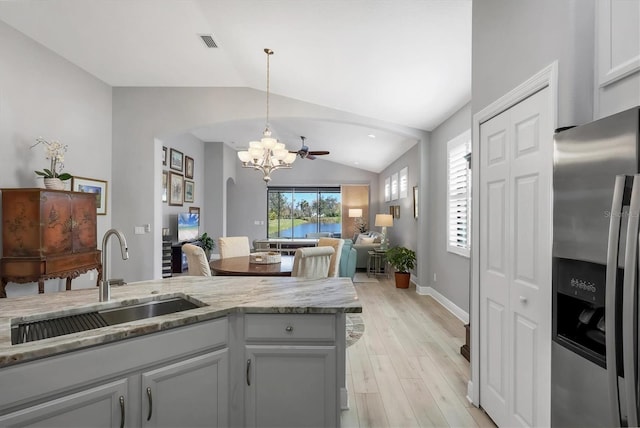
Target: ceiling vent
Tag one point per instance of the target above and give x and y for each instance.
(208, 40)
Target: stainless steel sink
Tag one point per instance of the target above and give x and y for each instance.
(30, 331)
(150, 309)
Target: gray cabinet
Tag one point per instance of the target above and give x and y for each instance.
(100, 406)
(192, 392)
(291, 371)
(172, 378)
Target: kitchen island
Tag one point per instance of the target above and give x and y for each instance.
(258, 351)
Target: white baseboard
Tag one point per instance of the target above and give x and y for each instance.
(344, 399)
(452, 307)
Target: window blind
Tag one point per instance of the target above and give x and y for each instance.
(458, 186)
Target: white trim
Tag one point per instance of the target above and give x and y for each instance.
(344, 398)
(448, 304)
(547, 77)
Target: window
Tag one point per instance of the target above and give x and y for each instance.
(458, 194)
(292, 212)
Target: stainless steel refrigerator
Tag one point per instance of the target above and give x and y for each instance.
(594, 354)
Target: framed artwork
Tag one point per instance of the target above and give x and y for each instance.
(391, 210)
(165, 178)
(91, 185)
(404, 182)
(164, 156)
(176, 160)
(415, 201)
(396, 211)
(394, 186)
(189, 189)
(176, 189)
(387, 189)
(194, 210)
(188, 167)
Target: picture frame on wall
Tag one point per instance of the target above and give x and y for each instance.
(188, 167)
(415, 201)
(164, 156)
(165, 179)
(394, 186)
(194, 210)
(176, 160)
(391, 210)
(387, 189)
(189, 189)
(396, 211)
(92, 185)
(404, 182)
(176, 189)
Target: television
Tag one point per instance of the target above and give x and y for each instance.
(188, 226)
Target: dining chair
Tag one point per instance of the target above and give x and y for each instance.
(196, 260)
(312, 262)
(233, 246)
(336, 244)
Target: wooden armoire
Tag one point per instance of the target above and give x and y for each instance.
(47, 234)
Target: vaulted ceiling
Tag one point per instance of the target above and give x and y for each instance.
(400, 62)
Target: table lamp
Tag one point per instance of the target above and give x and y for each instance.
(384, 221)
(359, 221)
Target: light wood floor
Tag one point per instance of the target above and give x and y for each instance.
(406, 370)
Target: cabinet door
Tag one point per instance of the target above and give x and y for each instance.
(103, 406)
(291, 386)
(84, 222)
(56, 223)
(191, 393)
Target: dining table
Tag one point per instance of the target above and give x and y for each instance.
(242, 266)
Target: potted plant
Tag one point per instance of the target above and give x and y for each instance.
(207, 243)
(402, 260)
(54, 152)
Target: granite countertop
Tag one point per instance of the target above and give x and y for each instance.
(222, 295)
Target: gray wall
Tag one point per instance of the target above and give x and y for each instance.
(405, 229)
(513, 40)
(42, 94)
(143, 115)
(452, 270)
(194, 148)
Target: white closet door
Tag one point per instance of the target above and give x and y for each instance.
(515, 263)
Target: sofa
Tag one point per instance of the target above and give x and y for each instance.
(348, 259)
(365, 242)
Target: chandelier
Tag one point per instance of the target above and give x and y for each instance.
(268, 154)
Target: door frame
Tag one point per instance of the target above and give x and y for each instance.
(545, 78)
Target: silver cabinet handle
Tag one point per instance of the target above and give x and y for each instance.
(150, 398)
(289, 329)
(611, 315)
(523, 299)
(249, 372)
(121, 399)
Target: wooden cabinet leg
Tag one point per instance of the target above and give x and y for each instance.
(99, 268)
(3, 292)
(68, 283)
(40, 286)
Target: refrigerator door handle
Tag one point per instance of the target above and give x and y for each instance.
(629, 307)
(610, 298)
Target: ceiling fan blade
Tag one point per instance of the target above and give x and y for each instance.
(318, 152)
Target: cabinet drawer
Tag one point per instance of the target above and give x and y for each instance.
(310, 327)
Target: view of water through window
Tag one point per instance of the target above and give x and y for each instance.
(297, 212)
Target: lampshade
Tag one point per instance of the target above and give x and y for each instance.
(355, 212)
(384, 220)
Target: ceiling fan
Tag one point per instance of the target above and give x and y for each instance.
(305, 153)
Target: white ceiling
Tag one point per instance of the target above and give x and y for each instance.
(400, 62)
